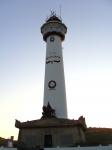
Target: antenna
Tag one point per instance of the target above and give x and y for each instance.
(60, 11)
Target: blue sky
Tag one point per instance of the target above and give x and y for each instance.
(87, 52)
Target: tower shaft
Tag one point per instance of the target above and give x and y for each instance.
(54, 86)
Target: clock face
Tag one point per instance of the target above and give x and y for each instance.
(52, 84)
(52, 38)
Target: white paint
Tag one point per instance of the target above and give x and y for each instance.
(10, 144)
(54, 70)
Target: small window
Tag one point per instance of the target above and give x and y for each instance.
(52, 39)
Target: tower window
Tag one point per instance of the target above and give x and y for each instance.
(52, 39)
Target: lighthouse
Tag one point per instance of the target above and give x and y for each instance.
(53, 31)
(53, 129)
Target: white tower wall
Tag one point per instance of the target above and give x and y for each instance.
(54, 71)
(54, 31)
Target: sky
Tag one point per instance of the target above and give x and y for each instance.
(87, 54)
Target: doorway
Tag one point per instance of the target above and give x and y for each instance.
(48, 140)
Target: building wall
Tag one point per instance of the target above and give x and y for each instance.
(66, 136)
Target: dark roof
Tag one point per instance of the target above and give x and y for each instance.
(49, 122)
(53, 18)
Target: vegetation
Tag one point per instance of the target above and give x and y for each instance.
(2, 141)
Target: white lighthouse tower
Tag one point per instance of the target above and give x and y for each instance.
(54, 31)
(53, 129)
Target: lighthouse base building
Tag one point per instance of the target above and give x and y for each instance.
(54, 129)
(51, 132)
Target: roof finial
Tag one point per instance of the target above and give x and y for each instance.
(53, 13)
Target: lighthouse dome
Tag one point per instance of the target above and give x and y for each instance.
(53, 26)
(53, 18)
